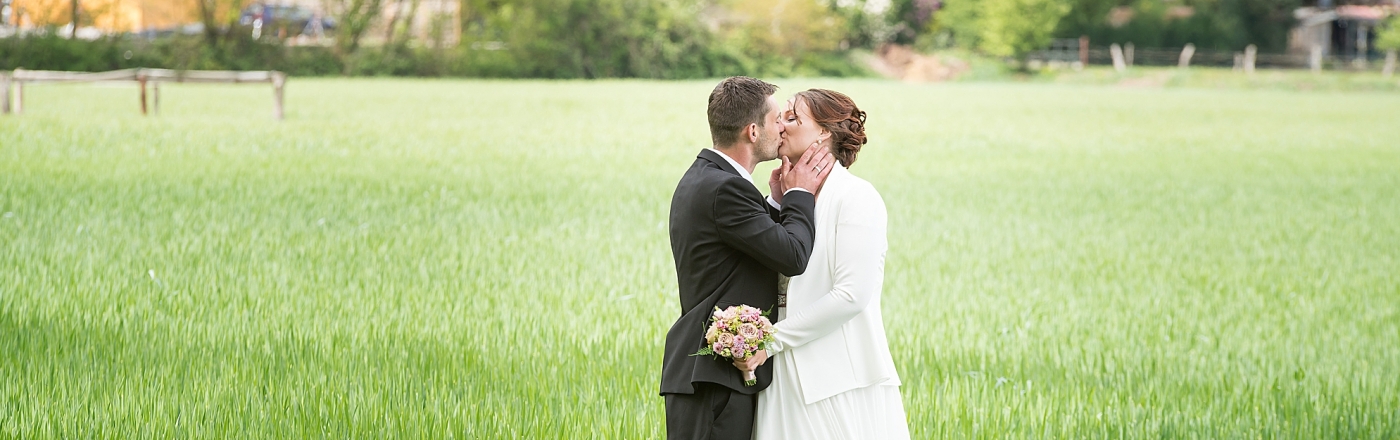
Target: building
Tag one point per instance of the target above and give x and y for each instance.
(1346, 32)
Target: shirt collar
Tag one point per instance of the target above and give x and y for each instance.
(740, 168)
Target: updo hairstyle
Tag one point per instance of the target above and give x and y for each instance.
(838, 114)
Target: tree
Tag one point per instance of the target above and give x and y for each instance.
(41, 12)
(1014, 28)
(217, 16)
(1208, 24)
(962, 20)
(910, 19)
(1389, 36)
(1389, 41)
(787, 28)
(399, 24)
(353, 18)
(643, 38)
(1265, 22)
(868, 23)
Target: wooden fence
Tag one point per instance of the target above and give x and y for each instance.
(12, 83)
(1077, 53)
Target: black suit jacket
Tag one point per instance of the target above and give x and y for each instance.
(729, 245)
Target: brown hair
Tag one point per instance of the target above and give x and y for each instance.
(838, 114)
(734, 104)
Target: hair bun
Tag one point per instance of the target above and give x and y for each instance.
(856, 124)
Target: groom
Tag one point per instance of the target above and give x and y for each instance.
(729, 246)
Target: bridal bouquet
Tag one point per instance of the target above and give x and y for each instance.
(737, 333)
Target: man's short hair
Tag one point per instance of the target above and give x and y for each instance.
(734, 104)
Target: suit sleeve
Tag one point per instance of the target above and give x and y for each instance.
(859, 275)
(744, 223)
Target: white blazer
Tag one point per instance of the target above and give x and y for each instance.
(832, 325)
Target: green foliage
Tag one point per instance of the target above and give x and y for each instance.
(1389, 36)
(595, 39)
(464, 259)
(1007, 28)
(1265, 22)
(1014, 28)
(354, 18)
(48, 51)
(1212, 24)
(655, 39)
(911, 19)
(512, 38)
(959, 22)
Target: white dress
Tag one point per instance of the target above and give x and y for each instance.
(833, 376)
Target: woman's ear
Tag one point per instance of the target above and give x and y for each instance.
(824, 135)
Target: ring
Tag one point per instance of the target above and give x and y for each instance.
(816, 168)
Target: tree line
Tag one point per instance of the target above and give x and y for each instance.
(661, 38)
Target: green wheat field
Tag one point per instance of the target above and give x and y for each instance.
(481, 259)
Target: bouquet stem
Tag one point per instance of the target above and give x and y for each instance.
(750, 379)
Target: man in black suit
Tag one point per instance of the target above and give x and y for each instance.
(730, 245)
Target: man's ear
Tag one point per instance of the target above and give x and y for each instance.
(752, 130)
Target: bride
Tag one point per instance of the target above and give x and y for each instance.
(833, 377)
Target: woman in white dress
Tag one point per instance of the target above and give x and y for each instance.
(833, 377)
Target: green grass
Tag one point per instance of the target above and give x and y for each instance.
(476, 259)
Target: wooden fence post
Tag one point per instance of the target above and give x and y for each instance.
(1361, 49)
(1117, 52)
(1128, 54)
(1389, 68)
(1184, 61)
(1084, 50)
(279, 80)
(141, 79)
(19, 97)
(155, 98)
(1250, 53)
(4, 93)
(1315, 59)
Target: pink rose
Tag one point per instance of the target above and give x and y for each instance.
(726, 339)
(750, 332)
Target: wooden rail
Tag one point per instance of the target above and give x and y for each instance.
(12, 83)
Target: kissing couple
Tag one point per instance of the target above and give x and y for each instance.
(827, 372)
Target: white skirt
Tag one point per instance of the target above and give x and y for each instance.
(874, 412)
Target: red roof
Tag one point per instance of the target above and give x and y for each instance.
(1358, 12)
